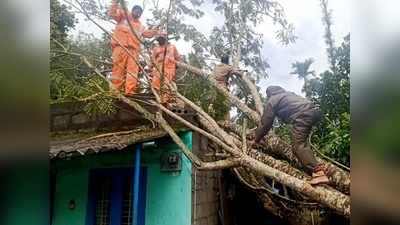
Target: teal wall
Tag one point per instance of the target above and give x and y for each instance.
(168, 196)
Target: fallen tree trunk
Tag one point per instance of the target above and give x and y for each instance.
(331, 198)
(275, 146)
(339, 178)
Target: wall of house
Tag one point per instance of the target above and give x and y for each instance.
(205, 198)
(71, 117)
(205, 191)
(168, 195)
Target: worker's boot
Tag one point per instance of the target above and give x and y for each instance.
(319, 176)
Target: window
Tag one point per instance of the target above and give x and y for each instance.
(103, 200)
(127, 202)
(110, 197)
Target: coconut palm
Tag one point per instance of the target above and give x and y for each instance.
(301, 69)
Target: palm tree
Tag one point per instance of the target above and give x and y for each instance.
(301, 69)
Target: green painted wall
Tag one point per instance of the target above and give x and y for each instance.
(71, 184)
(169, 195)
(168, 199)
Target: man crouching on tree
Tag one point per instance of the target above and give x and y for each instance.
(303, 114)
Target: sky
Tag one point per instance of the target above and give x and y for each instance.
(304, 14)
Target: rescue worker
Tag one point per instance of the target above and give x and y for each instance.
(125, 68)
(221, 74)
(302, 114)
(223, 71)
(164, 48)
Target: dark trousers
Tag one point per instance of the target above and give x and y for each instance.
(302, 126)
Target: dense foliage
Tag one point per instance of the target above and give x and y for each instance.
(70, 79)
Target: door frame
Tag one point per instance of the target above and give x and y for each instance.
(116, 197)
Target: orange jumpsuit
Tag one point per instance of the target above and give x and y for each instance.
(171, 56)
(125, 69)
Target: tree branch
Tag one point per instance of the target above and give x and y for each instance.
(221, 164)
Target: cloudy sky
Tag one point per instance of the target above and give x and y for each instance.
(306, 17)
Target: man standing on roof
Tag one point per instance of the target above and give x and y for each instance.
(303, 114)
(164, 48)
(125, 65)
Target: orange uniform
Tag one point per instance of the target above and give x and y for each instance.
(171, 56)
(125, 69)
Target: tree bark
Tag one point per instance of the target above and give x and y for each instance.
(330, 198)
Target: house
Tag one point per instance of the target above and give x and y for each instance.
(116, 169)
